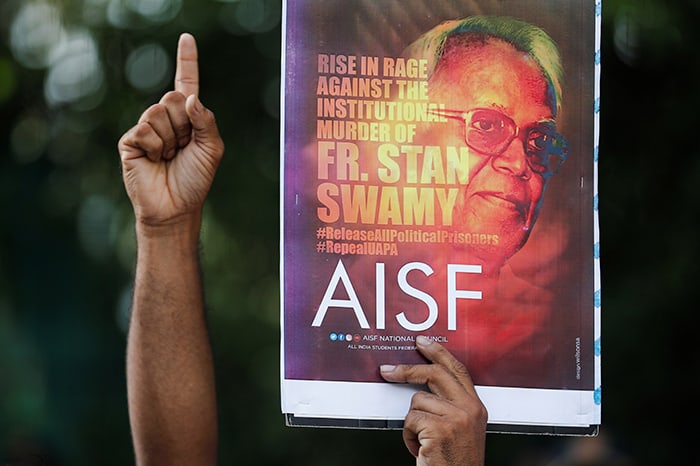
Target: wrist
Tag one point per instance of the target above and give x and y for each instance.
(183, 230)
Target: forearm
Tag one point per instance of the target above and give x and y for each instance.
(172, 401)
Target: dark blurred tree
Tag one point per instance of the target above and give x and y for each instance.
(75, 74)
(650, 206)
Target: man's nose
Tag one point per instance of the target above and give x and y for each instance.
(512, 161)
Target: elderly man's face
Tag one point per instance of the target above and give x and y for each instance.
(505, 91)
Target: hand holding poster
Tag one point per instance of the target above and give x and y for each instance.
(437, 183)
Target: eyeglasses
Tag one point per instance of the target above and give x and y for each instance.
(491, 132)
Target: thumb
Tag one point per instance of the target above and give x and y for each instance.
(203, 122)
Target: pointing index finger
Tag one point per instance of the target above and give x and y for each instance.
(187, 69)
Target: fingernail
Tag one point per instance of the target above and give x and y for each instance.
(423, 341)
(387, 368)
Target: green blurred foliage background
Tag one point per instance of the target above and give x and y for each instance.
(75, 74)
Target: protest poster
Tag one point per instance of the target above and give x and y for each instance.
(439, 179)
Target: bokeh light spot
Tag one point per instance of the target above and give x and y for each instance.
(626, 37)
(156, 11)
(148, 67)
(141, 13)
(118, 15)
(76, 71)
(250, 16)
(34, 34)
(94, 12)
(95, 220)
(122, 314)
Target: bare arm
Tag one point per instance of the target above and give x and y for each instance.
(172, 401)
(168, 162)
(448, 425)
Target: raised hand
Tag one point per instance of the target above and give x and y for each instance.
(446, 426)
(170, 156)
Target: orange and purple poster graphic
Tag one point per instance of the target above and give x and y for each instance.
(439, 180)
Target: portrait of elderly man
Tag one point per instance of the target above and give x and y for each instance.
(500, 80)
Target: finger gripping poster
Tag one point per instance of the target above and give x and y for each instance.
(439, 179)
